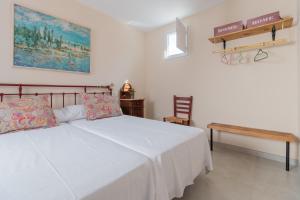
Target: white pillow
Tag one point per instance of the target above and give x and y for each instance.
(70, 113)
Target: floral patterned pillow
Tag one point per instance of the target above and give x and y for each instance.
(101, 106)
(26, 113)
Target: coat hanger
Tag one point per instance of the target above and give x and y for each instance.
(242, 59)
(232, 59)
(238, 58)
(261, 55)
(224, 59)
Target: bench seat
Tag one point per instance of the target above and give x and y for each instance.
(253, 132)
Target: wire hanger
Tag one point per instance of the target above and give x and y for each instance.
(232, 59)
(261, 55)
(225, 60)
(241, 58)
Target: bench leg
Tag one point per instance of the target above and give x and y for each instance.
(287, 156)
(211, 140)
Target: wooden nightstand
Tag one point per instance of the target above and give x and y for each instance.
(133, 107)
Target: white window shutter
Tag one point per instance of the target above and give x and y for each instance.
(181, 33)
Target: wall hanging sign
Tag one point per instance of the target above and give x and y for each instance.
(264, 19)
(46, 42)
(228, 28)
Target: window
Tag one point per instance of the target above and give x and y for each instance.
(171, 46)
(177, 41)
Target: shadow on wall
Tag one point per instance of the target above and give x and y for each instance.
(149, 109)
(297, 152)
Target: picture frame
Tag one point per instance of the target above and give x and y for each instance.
(42, 41)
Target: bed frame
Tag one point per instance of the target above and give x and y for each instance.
(107, 89)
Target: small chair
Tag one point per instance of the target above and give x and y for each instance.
(182, 105)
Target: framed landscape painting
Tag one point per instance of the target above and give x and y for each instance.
(46, 42)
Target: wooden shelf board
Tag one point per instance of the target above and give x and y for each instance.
(286, 22)
(260, 45)
(259, 133)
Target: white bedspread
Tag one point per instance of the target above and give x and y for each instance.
(179, 153)
(67, 163)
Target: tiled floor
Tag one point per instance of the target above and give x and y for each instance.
(239, 176)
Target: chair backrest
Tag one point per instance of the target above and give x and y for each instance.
(183, 105)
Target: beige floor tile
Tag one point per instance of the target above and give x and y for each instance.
(239, 176)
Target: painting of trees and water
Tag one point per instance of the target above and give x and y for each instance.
(43, 41)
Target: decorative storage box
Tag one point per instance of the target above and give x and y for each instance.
(229, 28)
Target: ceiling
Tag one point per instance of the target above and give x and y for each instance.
(149, 14)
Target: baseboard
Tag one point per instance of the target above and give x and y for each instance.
(260, 154)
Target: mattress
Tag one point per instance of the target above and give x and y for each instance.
(179, 153)
(67, 163)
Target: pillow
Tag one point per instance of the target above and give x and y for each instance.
(101, 106)
(26, 113)
(70, 113)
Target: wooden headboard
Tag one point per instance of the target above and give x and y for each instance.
(20, 88)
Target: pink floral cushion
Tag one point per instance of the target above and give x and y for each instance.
(101, 106)
(26, 113)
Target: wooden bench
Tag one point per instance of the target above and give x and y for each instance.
(259, 133)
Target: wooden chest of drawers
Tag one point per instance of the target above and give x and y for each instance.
(133, 107)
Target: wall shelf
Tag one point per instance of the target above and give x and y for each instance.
(260, 45)
(286, 22)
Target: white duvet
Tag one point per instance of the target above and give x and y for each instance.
(179, 153)
(66, 163)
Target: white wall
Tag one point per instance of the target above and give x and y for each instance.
(117, 50)
(262, 95)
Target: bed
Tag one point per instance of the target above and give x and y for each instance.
(115, 158)
(179, 153)
(67, 163)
